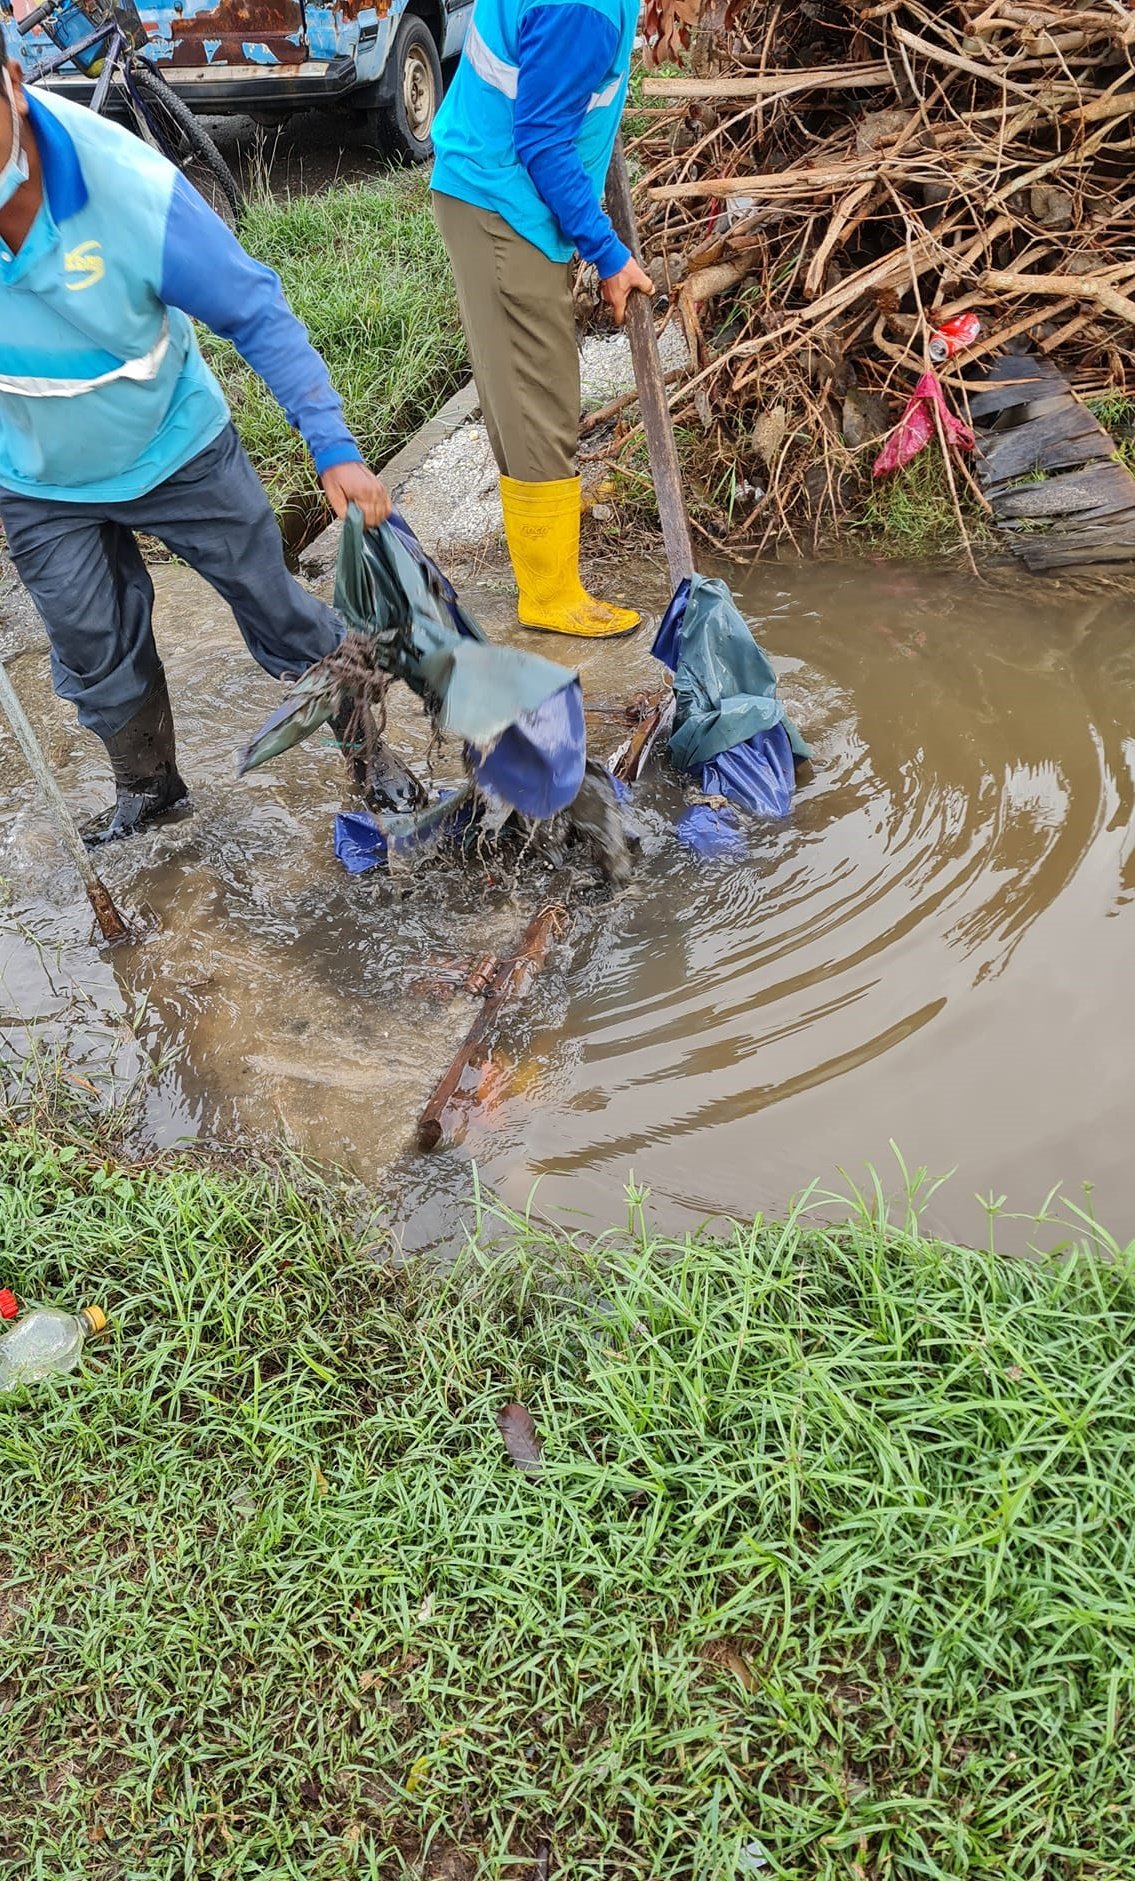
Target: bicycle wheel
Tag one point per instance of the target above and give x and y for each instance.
(167, 121)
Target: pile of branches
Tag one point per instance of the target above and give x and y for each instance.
(822, 183)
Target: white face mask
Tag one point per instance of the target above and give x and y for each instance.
(15, 172)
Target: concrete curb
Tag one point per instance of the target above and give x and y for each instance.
(318, 559)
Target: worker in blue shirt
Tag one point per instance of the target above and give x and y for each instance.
(523, 142)
(111, 424)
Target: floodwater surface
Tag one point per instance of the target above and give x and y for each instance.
(934, 951)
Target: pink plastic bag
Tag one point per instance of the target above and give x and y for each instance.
(916, 427)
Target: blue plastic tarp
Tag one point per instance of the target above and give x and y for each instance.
(710, 832)
(731, 731)
(359, 843)
(363, 841)
(520, 715)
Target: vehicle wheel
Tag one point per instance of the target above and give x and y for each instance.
(166, 120)
(404, 127)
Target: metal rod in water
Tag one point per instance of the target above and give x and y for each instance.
(111, 923)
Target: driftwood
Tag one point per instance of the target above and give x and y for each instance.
(847, 176)
(652, 717)
(477, 1066)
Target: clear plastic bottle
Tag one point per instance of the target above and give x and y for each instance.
(45, 1341)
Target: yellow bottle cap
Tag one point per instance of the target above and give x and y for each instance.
(95, 1318)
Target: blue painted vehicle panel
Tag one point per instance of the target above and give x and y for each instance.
(202, 40)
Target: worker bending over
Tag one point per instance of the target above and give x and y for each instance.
(111, 423)
(523, 143)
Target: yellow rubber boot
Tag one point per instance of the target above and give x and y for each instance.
(541, 526)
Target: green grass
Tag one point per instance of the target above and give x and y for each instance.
(638, 117)
(911, 514)
(831, 1562)
(1116, 413)
(365, 270)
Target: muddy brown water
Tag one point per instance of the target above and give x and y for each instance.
(934, 951)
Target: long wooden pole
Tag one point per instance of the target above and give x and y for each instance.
(651, 383)
(111, 924)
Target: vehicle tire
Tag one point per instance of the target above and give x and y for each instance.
(403, 127)
(169, 122)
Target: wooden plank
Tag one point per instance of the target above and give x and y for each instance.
(1009, 366)
(1109, 520)
(1113, 530)
(1086, 511)
(1070, 424)
(1031, 379)
(1041, 554)
(1107, 485)
(1047, 443)
(1057, 405)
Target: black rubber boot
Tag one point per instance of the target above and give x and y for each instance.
(377, 772)
(147, 782)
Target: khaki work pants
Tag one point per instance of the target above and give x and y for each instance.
(516, 309)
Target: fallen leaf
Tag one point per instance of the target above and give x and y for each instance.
(740, 1665)
(769, 434)
(879, 127)
(543, 1862)
(521, 1438)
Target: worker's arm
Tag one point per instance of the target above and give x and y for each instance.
(565, 57)
(208, 275)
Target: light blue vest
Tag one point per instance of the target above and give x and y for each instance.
(103, 392)
(473, 135)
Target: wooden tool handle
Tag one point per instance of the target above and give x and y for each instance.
(651, 384)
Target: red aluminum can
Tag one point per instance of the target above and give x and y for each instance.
(953, 336)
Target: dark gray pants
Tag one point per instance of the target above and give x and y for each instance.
(82, 567)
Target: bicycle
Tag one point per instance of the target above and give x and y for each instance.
(112, 54)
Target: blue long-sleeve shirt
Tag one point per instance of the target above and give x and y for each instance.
(566, 52)
(103, 390)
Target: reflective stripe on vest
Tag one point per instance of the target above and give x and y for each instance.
(496, 73)
(140, 370)
(500, 76)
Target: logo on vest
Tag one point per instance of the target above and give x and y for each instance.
(87, 261)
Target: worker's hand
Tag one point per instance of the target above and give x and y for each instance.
(618, 288)
(344, 484)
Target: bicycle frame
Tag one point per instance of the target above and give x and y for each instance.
(117, 46)
(112, 37)
(152, 108)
